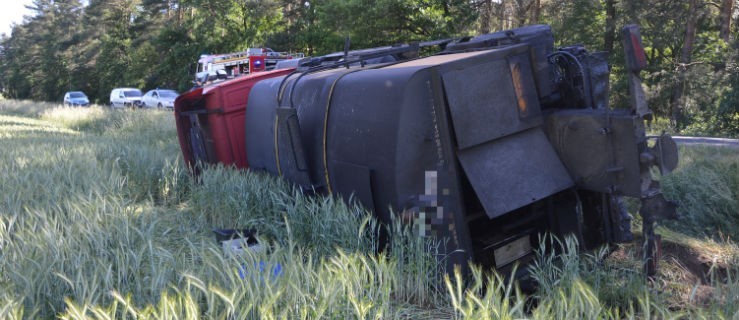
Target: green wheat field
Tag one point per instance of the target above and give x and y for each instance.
(99, 219)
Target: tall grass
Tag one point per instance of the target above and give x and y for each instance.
(25, 107)
(707, 187)
(100, 220)
(105, 215)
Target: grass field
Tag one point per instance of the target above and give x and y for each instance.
(100, 220)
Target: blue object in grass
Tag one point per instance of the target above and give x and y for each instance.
(273, 272)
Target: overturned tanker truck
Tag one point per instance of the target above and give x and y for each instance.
(490, 143)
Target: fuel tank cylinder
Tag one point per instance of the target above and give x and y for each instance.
(407, 137)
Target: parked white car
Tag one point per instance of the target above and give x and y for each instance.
(76, 98)
(160, 98)
(125, 97)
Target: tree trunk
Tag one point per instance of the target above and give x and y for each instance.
(522, 8)
(503, 14)
(690, 27)
(536, 12)
(677, 101)
(725, 29)
(486, 16)
(610, 35)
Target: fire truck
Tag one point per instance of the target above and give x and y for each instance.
(216, 66)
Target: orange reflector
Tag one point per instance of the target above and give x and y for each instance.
(523, 107)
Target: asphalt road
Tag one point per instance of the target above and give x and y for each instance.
(718, 142)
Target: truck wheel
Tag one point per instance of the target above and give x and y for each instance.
(159, 105)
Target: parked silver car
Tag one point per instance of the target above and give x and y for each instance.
(76, 98)
(160, 98)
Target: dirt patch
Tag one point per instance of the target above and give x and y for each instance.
(699, 265)
(686, 274)
(689, 259)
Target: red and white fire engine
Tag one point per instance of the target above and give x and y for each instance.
(243, 62)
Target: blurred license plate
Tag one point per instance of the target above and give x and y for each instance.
(512, 251)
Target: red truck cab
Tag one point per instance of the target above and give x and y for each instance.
(210, 120)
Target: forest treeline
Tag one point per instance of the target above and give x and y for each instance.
(692, 81)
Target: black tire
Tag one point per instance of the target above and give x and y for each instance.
(159, 106)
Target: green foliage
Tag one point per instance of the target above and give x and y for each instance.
(387, 22)
(577, 22)
(178, 48)
(723, 119)
(151, 43)
(706, 184)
